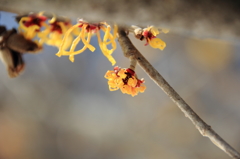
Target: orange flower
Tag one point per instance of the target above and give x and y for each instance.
(125, 80)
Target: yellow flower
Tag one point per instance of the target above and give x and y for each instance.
(150, 34)
(87, 30)
(30, 25)
(125, 80)
(83, 33)
(34, 26)
(54, 32)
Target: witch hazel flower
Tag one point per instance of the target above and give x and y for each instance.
(42, 30)
(54, 33)
(150, 34)
(125, 80)
(86, 31)
(30, 25)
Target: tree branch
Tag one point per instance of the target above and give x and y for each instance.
(131, 52)
(205, 18)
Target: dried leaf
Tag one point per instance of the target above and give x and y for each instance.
(2, 29)
(13, 61)
(20, 44)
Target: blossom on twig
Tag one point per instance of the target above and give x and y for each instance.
(150, 34)
(30, 25)
(54, 32)
(87, 30)
(51, 33)
(125, 80)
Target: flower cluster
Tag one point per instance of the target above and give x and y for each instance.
(65, 36)
(85, 34)
(51, 32)
(61, 33)
(125, 80)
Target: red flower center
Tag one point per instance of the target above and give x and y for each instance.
(90, 27)
(56, 27)
(35, 20)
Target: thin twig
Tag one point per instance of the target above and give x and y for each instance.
(130, 51)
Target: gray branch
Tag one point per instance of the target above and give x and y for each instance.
(131, 52)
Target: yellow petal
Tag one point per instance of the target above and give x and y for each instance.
(43, 36)
(110, 37)
(21, 25)
(80, 37)
(54, 18)
(157, 43)
(58, 54)
(76, 41)
(67, 43)
(31, 32)
(142, 88)
(154, 30)
(132, 82)
(86, 43)
(134, 92)
(122, 74)
(71, 58)
(41, 13)
(113, 89)
(110, 75)
(104, 50)
(61, 48)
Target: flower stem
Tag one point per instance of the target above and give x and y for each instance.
(133, 63)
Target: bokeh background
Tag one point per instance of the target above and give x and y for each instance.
(62, 110)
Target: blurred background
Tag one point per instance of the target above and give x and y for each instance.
(62, 110)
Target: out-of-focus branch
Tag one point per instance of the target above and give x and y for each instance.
(205, 18)
(131, 52)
